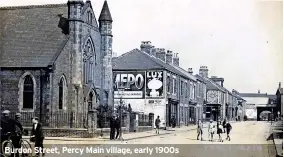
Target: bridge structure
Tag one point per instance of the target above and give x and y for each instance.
(260, 106)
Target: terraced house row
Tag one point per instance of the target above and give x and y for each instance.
(152, 82)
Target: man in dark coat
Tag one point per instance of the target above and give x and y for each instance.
(157, 124)
(117, 126)
(224, 125)
(8, 125)
(173, 121)
(37, 134)
(18, 132)
(228, 129)
(112, 127)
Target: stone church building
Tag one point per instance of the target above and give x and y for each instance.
(55, 58)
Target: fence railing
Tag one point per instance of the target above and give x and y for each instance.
(55, 119)
(144, 120)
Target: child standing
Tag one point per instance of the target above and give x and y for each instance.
(228, 128)
(220, 130)
(211, 130)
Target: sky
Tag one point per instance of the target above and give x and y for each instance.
(238, 40)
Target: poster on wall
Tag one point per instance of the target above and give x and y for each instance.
(154, 84)
(129, 84)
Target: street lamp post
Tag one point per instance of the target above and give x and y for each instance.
(120, 113)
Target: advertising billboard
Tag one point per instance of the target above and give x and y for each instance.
(129, 84)
(154, 84)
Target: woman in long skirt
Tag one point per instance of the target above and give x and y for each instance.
(220, 131)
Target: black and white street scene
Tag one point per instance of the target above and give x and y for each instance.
(113, 78)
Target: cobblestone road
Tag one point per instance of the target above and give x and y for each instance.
(248, 140)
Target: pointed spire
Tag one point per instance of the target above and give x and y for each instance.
(105, 13)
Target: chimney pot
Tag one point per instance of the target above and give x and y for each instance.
(190, 70)
(279, 85)
(258, 91)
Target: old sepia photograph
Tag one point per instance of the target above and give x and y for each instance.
(161, 78)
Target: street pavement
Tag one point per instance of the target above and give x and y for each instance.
(248, 139)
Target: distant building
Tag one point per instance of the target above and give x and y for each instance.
(256, 103)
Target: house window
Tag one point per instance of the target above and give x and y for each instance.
(186, 90)
(28, 93)
(174, 83)
(168, 84)
(181, 88)
(193, 92)
(176, 87)
(89, 59)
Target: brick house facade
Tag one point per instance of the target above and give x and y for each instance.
(179, 86)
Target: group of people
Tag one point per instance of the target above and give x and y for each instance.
(13, 129)
(220, 128)
(114, 127)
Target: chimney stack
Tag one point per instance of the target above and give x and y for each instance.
(153, 51)
(176, 59)
(218, 80)
(169, 57)
(161, 54)
(279, 85)
(190, 71)
(258, 92)
(203, 71)
(146, 46)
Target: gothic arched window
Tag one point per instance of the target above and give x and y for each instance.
(89, 59)
(89, 17)
(28, 93)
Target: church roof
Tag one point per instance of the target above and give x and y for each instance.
(105, 13)
(30, 35)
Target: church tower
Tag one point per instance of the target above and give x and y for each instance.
(105, 24)
(75, 31)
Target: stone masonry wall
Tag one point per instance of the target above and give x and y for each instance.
(10, 91)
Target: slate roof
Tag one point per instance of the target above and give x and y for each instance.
(200, 78)
(30, 36)
(105, 13)
(139, 60)
(185, 73)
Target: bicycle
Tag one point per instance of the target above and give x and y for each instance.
(25, 145)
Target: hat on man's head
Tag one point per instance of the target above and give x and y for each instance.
(6, 112)
(18, 115)
(35, 118)
(211, 120)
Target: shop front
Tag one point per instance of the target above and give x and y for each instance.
(213, 111)
(171, 112)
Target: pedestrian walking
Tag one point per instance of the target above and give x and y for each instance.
(157, 124)
(173, 121)
(18, 133)
(112, 127)
(8, 128)
(37, 135)
(211, 130)
(117, 126)
(220, 131)
(228, 128)
(199, 129)
(224, 125)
